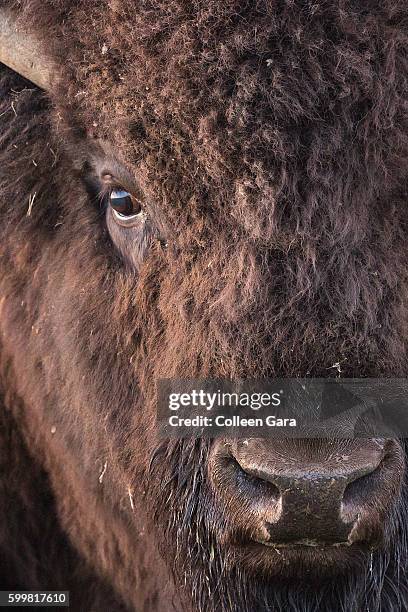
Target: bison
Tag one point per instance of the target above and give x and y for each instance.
(200, 189)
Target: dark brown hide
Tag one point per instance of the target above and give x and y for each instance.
(269, 140)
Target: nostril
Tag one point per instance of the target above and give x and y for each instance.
(254, 485)
(359, 490)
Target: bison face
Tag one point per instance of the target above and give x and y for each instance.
(212, 191)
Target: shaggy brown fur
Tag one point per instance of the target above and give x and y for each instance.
(270, 141)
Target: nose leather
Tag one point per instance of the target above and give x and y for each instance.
(309, 493)
(310, 510)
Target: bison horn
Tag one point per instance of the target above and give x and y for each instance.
(21, 52)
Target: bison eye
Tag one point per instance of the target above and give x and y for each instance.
(125, 208)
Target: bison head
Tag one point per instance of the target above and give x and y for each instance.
(216, 190)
